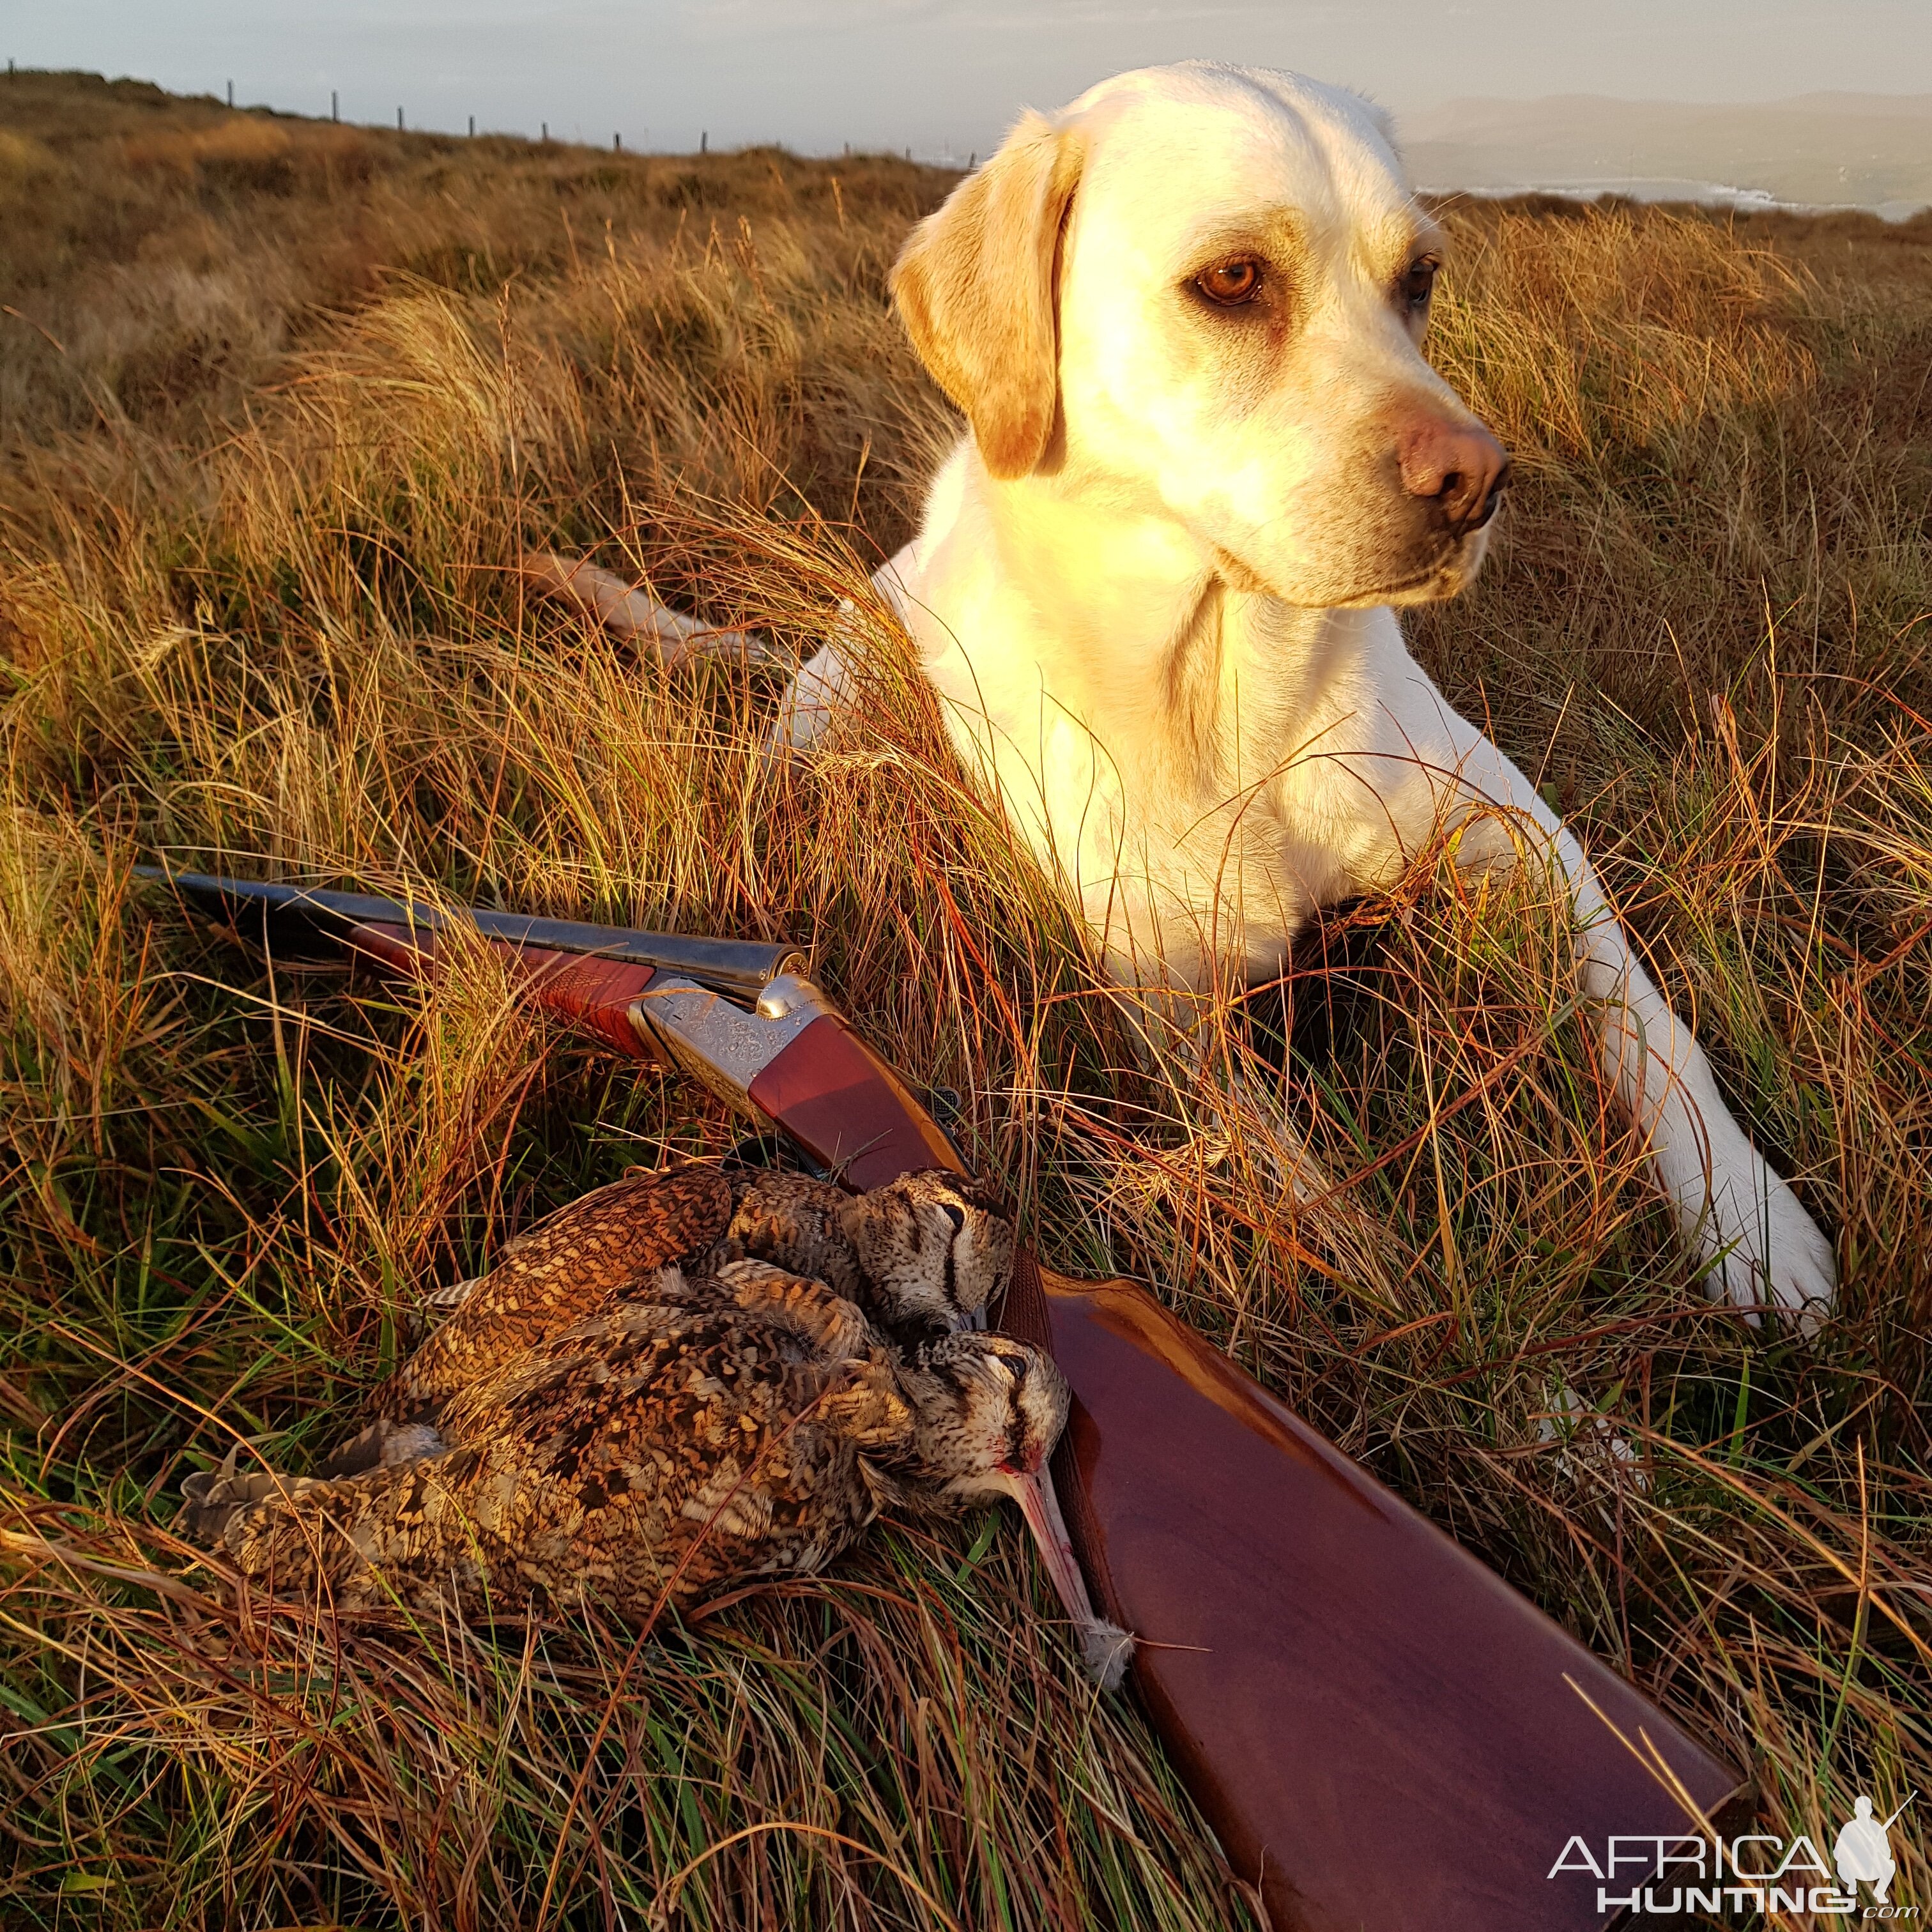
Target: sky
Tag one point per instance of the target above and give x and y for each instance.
(945, 77)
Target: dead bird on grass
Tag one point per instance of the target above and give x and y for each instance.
(615, 1410)
(921, 1256)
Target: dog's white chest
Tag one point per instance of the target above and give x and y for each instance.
(1178, 859)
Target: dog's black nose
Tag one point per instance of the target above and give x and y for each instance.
(1457, 467)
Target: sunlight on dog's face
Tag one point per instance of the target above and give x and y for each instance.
(1200, 295)
(1245, 287)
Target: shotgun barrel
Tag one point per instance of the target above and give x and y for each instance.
(1382, 1732)
(303, 921)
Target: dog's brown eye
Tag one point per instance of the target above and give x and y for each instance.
(1418, 284)
(1231, 284)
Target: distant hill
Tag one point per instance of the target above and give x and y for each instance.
(1855, 150)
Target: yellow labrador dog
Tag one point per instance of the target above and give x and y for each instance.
(1155, 585)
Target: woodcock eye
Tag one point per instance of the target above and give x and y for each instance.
(1418, 284)
(954, 1214)
(1229, 284)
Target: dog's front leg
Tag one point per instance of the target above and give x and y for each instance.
(629, 611)
(818, 691)
(823, 685)
(1429, 769)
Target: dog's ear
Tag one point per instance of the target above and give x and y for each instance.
(975, 283)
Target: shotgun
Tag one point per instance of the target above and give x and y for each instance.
(1381, 1731)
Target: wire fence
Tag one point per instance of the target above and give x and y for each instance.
(944, 156)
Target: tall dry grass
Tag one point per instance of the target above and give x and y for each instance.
(266, 619)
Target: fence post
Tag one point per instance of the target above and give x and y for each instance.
(399, 120)
(617, 144)
(473, 127)
(335, 105)
(546, 134)
(231, 94)
(704, 144)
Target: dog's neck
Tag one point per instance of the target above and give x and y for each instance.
(1159, 631)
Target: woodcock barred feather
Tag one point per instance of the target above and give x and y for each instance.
(676, 1384)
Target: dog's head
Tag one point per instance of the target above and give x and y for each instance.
(1202, 292)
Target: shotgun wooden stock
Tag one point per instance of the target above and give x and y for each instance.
(1383, 1733)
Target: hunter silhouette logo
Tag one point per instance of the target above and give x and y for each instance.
(1863, 1851)
(1752, 1872)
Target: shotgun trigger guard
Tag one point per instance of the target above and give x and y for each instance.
(721, 1044)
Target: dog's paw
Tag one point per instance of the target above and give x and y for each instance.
(1763, 1248)
(819, 691)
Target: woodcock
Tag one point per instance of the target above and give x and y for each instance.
(678, 1383)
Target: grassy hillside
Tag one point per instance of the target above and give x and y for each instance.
(279, 404)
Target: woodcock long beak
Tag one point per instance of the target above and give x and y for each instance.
(1105, 1648)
